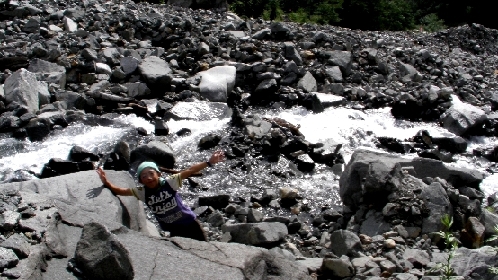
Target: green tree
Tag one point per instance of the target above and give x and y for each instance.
(395, 15)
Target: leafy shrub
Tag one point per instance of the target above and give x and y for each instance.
(432, 23)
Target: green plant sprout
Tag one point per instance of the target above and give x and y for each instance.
(451, 243)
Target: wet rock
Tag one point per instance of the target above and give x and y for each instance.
(156, 151)
(198, 110)
(209, 141)
(461, 118)
(78, 153)
(161, 128)
(101, 256)
(217, 202)
(38, 129)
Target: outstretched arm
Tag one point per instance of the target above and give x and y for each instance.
(114, 189)
(216, 157)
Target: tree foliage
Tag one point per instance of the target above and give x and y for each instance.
(431, 15)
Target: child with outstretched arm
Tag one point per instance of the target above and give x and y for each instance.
(161, 196)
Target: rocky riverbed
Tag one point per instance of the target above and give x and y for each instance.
(90, 62)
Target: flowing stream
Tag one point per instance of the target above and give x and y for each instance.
(352, 128)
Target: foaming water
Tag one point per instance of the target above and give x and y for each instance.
(32, 156)
(352, 128)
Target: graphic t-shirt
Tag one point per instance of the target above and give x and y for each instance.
(165, 202)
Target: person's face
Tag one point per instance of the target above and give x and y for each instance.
(149, 177)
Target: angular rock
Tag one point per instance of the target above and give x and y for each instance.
(156, 151)
(7, 258)
(344, 242)
(460, 118)
(17, 243)
(340, 267)
(307, 83)
(155, 71)
(22, 87)
(217, 83)
(258, 234)
(100, 255)
(48, 72)
(419, 258)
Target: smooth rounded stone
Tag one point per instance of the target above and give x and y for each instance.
(389, 244)
(9, 219)
(102, 68)
(404, 276)
(8, 258)
(101, 255)
(340, 267)
(209, 141)
(217, 82)
(288, 193)
(365, 239)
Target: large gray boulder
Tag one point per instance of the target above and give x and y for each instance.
(48, 72)
(436, 199)
(474, 263)
(159, 152)
(82, 220)
(259, 234)
(217, 83)
(368, 173)
(334, 74)
(307, 83)
(23, 87)
(345, 242)
(100, 255)
(343, 59)
(198, 110)
(461, 117)
(291, 53)
(155, 71)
